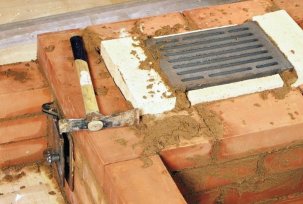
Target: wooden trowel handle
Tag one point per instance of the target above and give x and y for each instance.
(88, 94)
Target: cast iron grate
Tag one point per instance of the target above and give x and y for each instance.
(218, 56)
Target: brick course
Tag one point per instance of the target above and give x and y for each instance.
(222, 15)
(286, 160)
(23, 129)
(22, 152)
(251, 123)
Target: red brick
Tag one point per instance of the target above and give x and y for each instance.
(214, 176)
(23, 129)
(227, 14)
(81, 191)
(289, 159)
(70, 195)
(20, 77)
(270, 194)
(291, 199)
(22, 89)
(186, 156)
(111, 101)
(22, 152)
(61, 61)
(129, 182)
(254, 143)
(208, 197)
(281, 185)
(90, 185)
(149, 25)
(293, 7)
(14, 104)
(257, 128)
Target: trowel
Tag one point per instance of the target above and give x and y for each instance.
(60, 150)
(94, 120)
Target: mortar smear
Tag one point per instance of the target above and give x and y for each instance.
(152, 53)
(289, 77)
(21, 76)
(167, 30)
(158, 133)
(92, 40)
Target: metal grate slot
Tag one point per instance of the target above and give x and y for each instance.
(219, 56)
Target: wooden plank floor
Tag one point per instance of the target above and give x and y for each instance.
(18, 10)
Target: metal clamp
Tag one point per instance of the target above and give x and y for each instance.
(60, 151)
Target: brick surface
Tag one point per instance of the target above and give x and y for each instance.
(61, 59)
(27, 102)
(140, 185)
(22, 89)
(214, 176)
(106, 150)
(81, 191)
(188, 156)
(273, 189)
(282, 185)
(20, 77)
(151, 25)
(147, 26)
(256, 127)
(23, 129)
(208, 197)
(228, 14)
(291, 199)
(109, 97)
(293, 7)
(22, 152)
(289, 159)
(70, 195)
(85, 175)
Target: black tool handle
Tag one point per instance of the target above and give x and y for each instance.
(78, 48)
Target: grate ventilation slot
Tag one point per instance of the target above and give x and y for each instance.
(218, 56)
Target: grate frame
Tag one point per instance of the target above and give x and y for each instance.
(218, 56)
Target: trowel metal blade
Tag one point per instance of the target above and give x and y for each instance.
(127, 118)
